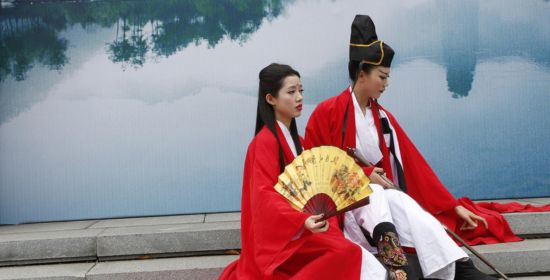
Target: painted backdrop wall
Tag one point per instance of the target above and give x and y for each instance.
(115, 108)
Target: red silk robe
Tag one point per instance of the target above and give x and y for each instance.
(325, 127)
(269, 224)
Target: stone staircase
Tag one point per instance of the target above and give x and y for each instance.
(198, 247)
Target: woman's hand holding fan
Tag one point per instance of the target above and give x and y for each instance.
(324, 180)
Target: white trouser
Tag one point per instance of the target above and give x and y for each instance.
(371, 268)
(436, 251)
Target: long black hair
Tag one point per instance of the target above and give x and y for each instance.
(271, 81)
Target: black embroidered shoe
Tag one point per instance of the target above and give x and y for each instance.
(466, 270)
(390, 251)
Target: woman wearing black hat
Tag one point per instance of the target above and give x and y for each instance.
(355, 121)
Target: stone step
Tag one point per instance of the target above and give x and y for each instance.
(116, 243)
(527, 256)
(183, 268)
(186, 268)
(529, 224)
(49, 246)
(177, 268)
(168, 236)
(70, 271)
(118, 238)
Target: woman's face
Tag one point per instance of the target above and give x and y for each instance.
(375, 82)
(288, 103)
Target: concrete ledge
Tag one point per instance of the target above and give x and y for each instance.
(223, 217)
(165, 239)
(43, 227)
(76, 271)
(196, 268)
(192, 268)
(149, 221)
(529, 223)
(184, 235)
(41, 247)
(528, 256)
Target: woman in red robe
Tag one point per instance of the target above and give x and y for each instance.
(387, 147)
(279, 242)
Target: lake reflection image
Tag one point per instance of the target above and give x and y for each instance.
(143, 108)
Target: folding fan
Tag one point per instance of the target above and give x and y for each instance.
(324, 180)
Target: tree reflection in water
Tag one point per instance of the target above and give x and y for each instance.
(30, 33)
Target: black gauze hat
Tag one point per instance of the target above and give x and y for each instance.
(365, 46)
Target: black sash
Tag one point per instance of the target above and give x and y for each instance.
(386, 129)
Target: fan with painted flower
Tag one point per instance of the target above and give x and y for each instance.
(324, 180)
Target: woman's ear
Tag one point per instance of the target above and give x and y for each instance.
(270, 99)
(361, 74)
